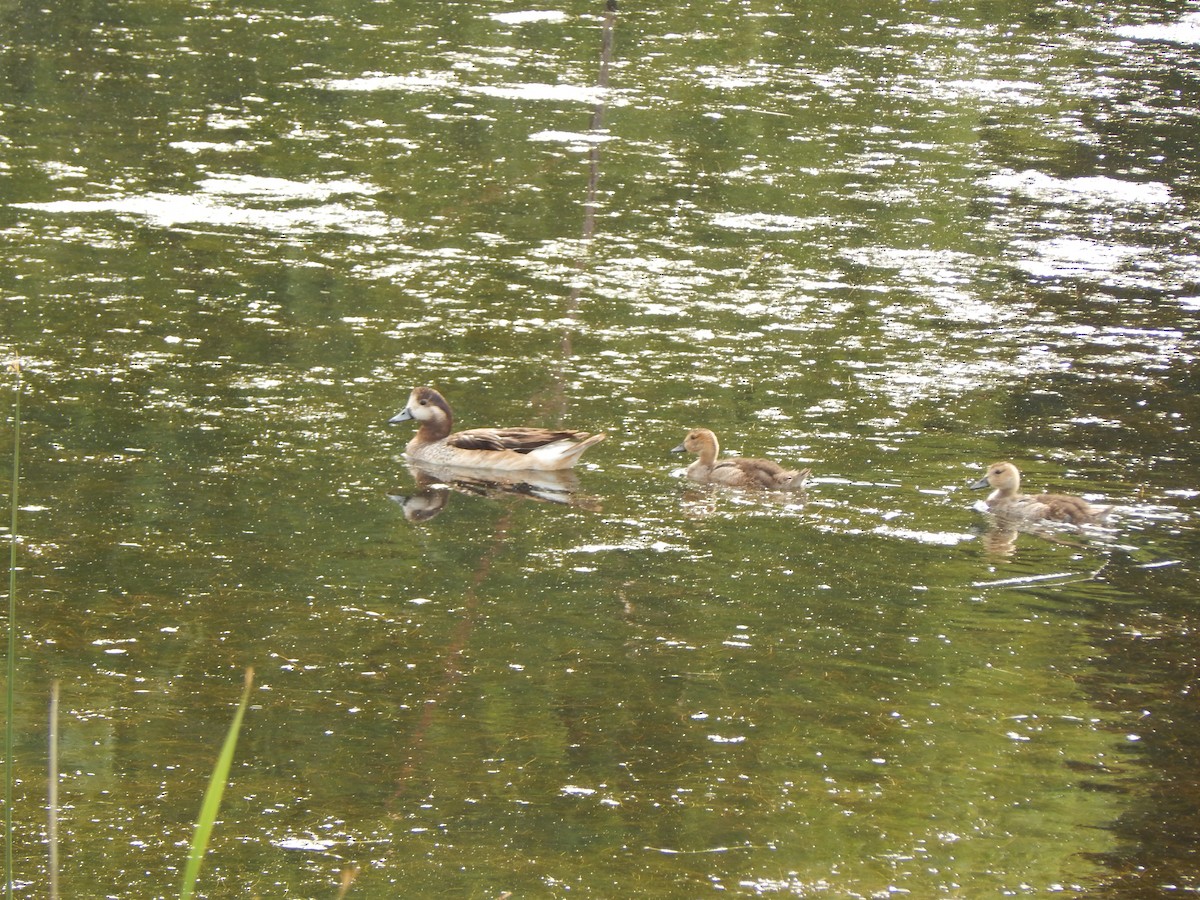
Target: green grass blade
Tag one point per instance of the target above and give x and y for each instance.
(212, 796)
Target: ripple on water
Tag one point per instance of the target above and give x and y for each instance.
(451, 82)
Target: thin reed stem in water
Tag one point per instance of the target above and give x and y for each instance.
(52, 793)
(10, 698)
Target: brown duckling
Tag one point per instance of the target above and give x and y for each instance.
(736, 471)
(1007, 501)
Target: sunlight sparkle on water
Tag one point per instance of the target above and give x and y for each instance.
(1074, 256)
(1092, 190)
(525, 17)
(373, 81)
(208, 207)
(1185, 31)
(766, 222)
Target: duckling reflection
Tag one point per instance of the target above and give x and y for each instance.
(1000, 536)
(436, 483)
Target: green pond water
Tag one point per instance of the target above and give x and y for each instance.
(891, 241)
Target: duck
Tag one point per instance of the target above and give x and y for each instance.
(1007, 501)
(497, 449)
(736, 471)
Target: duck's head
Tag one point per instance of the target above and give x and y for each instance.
(697, 441)
(425, 405)
(1003, 476)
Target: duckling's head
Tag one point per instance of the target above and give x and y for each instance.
(698, 440)
(425, 405)
(1003, 476)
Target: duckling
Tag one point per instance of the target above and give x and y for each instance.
(736, 471)
(1006, 500)
(486, 448)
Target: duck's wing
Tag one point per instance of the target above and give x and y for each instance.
(764, 466)
(762, 472)
(518, 440)
(1065, 508)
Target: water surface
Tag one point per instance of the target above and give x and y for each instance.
(894, 243)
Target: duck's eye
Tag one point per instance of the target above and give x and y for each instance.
(424, 402)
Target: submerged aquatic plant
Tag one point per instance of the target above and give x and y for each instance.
(212, 796)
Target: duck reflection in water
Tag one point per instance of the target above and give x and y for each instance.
(435, 484)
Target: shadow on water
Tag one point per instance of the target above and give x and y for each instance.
(452, 669)
(1147, 676)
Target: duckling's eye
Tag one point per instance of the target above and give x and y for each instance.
(424, 402)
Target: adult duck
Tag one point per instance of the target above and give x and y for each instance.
(736, 471)
(1007, 501)
(500, 449)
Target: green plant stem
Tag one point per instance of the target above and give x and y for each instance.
(212, 796)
